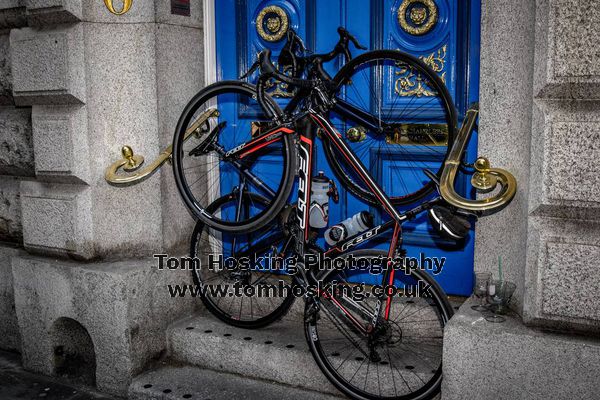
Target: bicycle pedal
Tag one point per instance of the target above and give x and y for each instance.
(448, 223)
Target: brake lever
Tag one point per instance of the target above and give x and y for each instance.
(294, 38)
(355, 42)
(344, 34)
(251, 70)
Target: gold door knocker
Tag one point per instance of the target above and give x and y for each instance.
(272, 23)
(417, 17)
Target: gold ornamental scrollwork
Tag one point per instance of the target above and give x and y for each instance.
(272, 23)
(410, 83)
(423, 15)
(280, 89)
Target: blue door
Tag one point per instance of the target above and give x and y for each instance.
(444, 33)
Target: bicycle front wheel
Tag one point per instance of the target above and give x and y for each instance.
(219, 120)
(402, 358)
(395, 113)
(257, 253)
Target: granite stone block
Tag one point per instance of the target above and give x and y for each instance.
(505, 129)
(53, 12)
(11, 229)
(499, 361)
(124, 306)
(205, 346)
(48, 65)
(571, 280)
(6, 97)
(57, 219)
(566, 53)
(12, 14)
(562, 274)
(209, 384)
(10, 337)
(122, 109)
(179, 76)
(60, 142)
(16, 148)
(565, 145)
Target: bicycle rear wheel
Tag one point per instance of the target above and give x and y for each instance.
(397, 116)
(205, 168)
(402, 360)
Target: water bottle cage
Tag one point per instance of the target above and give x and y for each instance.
(333, 191)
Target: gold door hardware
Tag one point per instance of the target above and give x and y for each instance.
(423, 16)
(489, 177)
(272, 22)
(356, 134)
(132, 162)
(482, 180)
(126, 6)
(419, 134)
(411, 83)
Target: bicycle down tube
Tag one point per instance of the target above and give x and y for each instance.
(306, 127)
(388, 277)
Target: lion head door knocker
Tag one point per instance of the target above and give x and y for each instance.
(417, 17)
(272, 23)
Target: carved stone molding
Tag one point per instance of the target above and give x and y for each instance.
(12, 14)
(48, 65)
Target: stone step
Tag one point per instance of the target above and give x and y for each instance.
(187, 382)
(504, 361)
(276, 353)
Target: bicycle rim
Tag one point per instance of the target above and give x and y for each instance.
(202, 170)
(409, 351)
(415, 124)
(245, 311)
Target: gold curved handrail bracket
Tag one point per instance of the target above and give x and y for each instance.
(486, 179)
(132, 162)
(503, 178)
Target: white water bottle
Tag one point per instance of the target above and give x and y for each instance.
(319, 201)
(349, 227)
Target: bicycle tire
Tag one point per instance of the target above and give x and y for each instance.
(344, 75)
(213, 307)
(313, 339)
(199, 210)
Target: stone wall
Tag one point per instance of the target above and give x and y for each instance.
(540, 120)
(504, 131)
(75, 65)
(76, 83)
(16, 163)
(562, 275)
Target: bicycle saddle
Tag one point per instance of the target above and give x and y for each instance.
(447, 223)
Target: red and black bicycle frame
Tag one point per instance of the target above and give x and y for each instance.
(305, 130)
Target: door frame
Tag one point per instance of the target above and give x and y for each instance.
(210, 42)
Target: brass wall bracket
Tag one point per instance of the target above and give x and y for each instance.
(485, 179)
(132, 162)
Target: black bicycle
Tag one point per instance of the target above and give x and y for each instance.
(372, 339)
